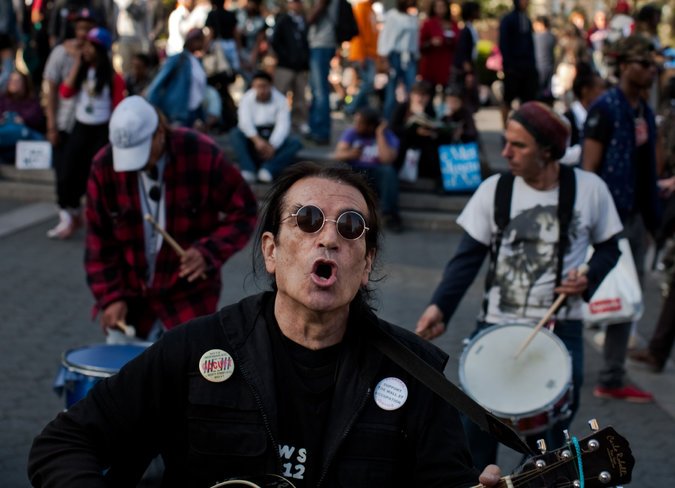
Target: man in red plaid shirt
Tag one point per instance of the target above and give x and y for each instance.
(182, 180)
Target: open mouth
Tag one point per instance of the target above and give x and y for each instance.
(324, 271)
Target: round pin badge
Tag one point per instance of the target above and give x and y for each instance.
(216, 365)
(390, 393)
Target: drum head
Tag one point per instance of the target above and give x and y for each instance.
(101, 360)
(491, 375)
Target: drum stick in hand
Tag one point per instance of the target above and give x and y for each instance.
(172, 242)
(583, 269)
(129, 330)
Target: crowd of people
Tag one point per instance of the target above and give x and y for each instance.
(588, 137)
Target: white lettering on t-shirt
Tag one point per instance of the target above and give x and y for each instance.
(296, 468)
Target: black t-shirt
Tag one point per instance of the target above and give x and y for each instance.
(222, 22)
(305, 382)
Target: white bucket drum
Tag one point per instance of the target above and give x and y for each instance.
(530, 392)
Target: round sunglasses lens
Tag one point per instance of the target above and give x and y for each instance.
(350, 225)
(310, 219)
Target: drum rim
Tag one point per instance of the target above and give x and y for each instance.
(95, 371)
(462, 378)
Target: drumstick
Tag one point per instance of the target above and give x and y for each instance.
(172, 242)
(582, 270)
(129, 330)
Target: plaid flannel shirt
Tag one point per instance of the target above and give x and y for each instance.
(208, 206)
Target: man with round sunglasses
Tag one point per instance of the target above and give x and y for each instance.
(286, 382)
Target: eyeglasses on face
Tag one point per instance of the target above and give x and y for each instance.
(351, 225)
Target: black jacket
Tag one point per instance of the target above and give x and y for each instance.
(290, 44)
(207, 432)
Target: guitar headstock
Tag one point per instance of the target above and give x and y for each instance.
(606, 460)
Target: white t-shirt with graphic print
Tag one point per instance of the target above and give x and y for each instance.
(522, 290)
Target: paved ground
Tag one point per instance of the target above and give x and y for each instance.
(45, 310)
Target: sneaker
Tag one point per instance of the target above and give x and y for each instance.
(249, 176)
(645, 357)
(265, 176)
(68, 224)
(629, 393)
(304, 129)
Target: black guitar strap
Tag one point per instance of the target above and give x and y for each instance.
(448, 391)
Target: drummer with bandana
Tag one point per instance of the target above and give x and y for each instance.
(525, 275)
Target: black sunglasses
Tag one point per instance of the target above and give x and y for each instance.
(310, 219)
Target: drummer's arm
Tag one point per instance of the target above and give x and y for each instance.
(605, 256)
(459, 273)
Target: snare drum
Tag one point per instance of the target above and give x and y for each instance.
(83, 367)
(530, 392)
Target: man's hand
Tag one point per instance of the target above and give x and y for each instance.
(381, 128)
(575, 284)
(113, 313)
(192, 265)
(53, 136)
(431, 324)
(490, 475)
(264, 149)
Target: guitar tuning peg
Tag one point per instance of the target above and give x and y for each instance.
(593, 424)
(566, 433)
(541, 445)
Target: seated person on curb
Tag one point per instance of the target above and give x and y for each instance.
(457, 119)
(371, 147)
(282, 382)
(263, 135)
(414, 123)
(21, 117)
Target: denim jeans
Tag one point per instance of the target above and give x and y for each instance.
(12, 132)
(484, 447)
(366, 72)
(247, 160)
(384, 178)
(398, 72)
(319, 110)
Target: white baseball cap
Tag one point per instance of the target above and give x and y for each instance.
(132, 125)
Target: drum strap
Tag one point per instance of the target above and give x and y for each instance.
(448, 391)
(502, 216)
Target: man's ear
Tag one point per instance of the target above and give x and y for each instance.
(368, 268)
(269, 251)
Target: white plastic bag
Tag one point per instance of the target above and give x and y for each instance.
(618, 299)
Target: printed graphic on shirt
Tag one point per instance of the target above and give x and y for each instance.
(527, 262)
(293, 461)
(216, 365)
